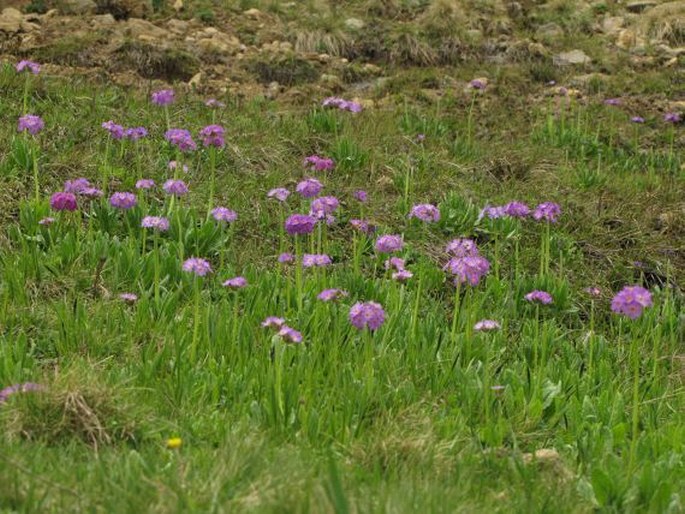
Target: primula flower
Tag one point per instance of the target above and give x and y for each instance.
(361, 196)
(613, 101)
(155, 222)
(425, 212)
(367, 315)
(163, 97)
(145, 183)
(289, 335)
(310, 260)
(63, 202)
(273, 322)
(318, 163)
(115, 131)
(492, 212)
(235, 283)
(129, 298)
(548, 211)
(396, 263)
(173, 165)
(420, 137)
(342, 104)
(389, 244)
(214, 103)
(224, 214)
(298, 224)
(47, 221)
(309, 188)
(637, 119)
(286, 258)
(477, 84)
(18, 388)
(181, 139)
(329, 295)
(539, 297)
(631, 300)
(486, 325)
(31, 124)
(78, 185)
(123, 200)
(33, 67)
(175, 187)
(672, 117)
(516, 209)
(199, 267)
(213, 135)
(323, 206)
(92, 192)
(135, 133)
(280, 193)
(402, 275)
(468, 269)
(361, 226)
(593, 291)
(462, 248)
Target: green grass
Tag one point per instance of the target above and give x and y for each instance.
(401, 420)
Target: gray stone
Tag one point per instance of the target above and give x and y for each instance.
(549, 31)
(571, 58)
(10, 20)
(612, 24)
(354, 23)
(640, 6)
(76, 6)
(141, 29)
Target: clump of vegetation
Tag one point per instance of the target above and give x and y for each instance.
(155, 62)
(286, 69)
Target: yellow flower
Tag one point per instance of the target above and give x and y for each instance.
(174, 443)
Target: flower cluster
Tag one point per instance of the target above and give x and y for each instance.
(18, 388)
(163, 97)
(470, 269)
(298, 224)
(367, 315)
(318, 163)
(31, 124)
(123, 200)
(280, 193)
(63, 202)
(310, 260)
(342, 104)
(31, 66)
(425, 212)
(631, 301)
(389, 244)
(213, 135)
(197, 266)
(158, 223)
(181, 139)
(309, 188)
(223, 214)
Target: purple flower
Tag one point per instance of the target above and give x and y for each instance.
(477, 84)
(361, 226)
(30, 123)
(136, 133)
(18, 388)
(92, 192)
(420, 138)
(214, 103)
(175, 187)
(163, 97)
(361, 196)
(425, 212)
(181, 139)
(77, 185)
(280, 193)
(492, 212)
(672, 117)
(198, 266)
(329, 295)
(402, 275)
(462, 248)
(224, 214)
(486, 325)
(286, 258)
(309, 188)
(389, 244)
(129, 298)
(637, 119)
(299, 224)
(115, 131)
(46, 221)
(145, 183)
(539, 297)
(516, 209)
(468, 269)
(213, 135)
(236, 283)
(173, 165)
(318, 163)
(613, 101)
(593, 291)
(367, 315)
(273, 322)
(63, 202)
(33, 67)
(289, 335)
(155, 222)
(323, 206)
(394, 262)
(548, 211)
(123, 200)
(342, 104)
(631, 300)
(310, 260)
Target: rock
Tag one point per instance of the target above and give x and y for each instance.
(372, 69)
(612, 24)
(77, 6)
(253, 13)
(27, 26)
(273, 90)
(123, 9)
(10, 20)
(549, 31)
(640, 6)
(178, 27)
(141, 29)
(178, 5)
(323, 58)
(104, 20)
(195, 81)
(571, 58)
(354, 23)
(332, 81)
(627, 40)
(212, 40)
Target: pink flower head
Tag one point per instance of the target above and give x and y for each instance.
(181, 139)
(115, 131)
(214, 103)
(145, 183)
(330, 295)
(286, 258)
(280, 193)
(462, 248)
(33, 67)
(492, 212)
(477, 84)
(361, 196)
(129, 298)
(402, 275)
(310, 260)
(199, 267)
(135, 133)
(289, 335)
(672, 117)
(342, 104)
(548, 211)
(631, 300)
(213, 135)
(298, 224)
(236, 283)
(613, 102)
(173, 165)
(63, 202)
(31, 124)
(362, 226)
(593, 291)
(468, 269)
(318, 163)
(425, 212)
(158, 223)
(175, 187)
(18, 388)
(224, 214)
(486, 325)
(309, 188)
(389, 244)
(395, 263)
(47, 221)
(637, 119)
(516, 209)
(273, 322)
(539, 297)
(92, 192)
(78, 185)
(123, 200)
(163, 97)
(367, 315)
(323, 206)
